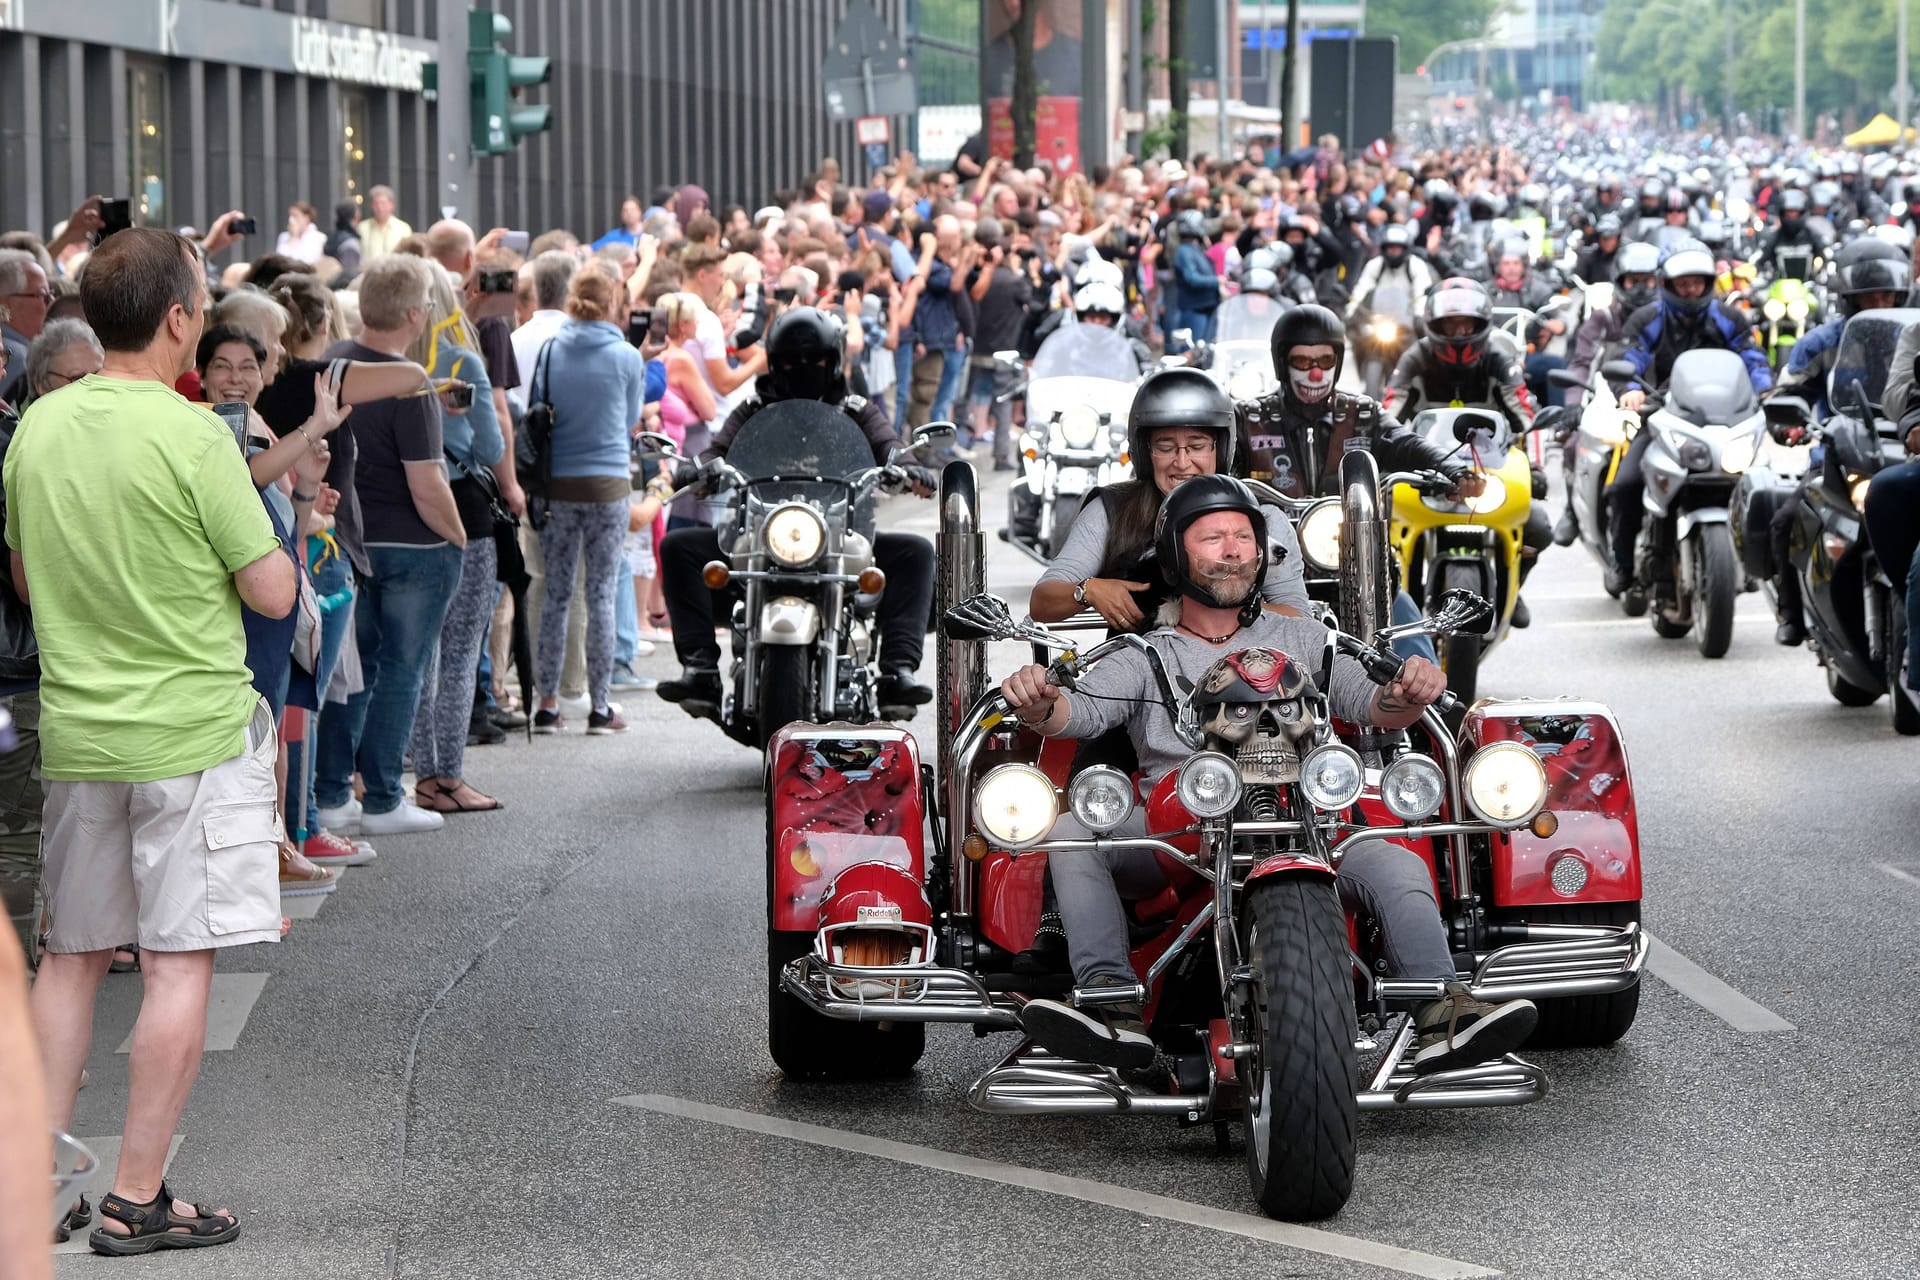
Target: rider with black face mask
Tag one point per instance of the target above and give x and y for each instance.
(806, 360)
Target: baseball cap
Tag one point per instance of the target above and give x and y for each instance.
(877, 203)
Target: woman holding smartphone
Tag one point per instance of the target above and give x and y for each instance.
(473, 441)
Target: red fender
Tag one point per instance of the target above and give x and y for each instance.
(837, 796)
(1281, 864)
(1589, 792)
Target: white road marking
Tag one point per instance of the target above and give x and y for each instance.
(304, 907)
(1709, 992)
(101, 1182)
(1898, 874)
(1328, 1243)
(229, 1004)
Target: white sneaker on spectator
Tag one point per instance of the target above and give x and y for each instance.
(344, 821)
(582, 707)
(408, 817)
(643, 648)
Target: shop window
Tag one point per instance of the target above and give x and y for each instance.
(147, 99)
(354, 140)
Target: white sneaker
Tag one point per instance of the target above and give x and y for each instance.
(643, 649)
(408, 818)
(344, 821)
(579, 708)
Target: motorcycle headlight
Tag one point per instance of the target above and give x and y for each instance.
(1695, 455)
(1857, 490)
(1385, 332)
(1208, 785)
(1505, 784)
(1246, 383)
(795, 535)
(1080, 426)
(1015, 804)
(1101, 798)
(1320, 535)
(1797, 309)
(1412, 788)
(1331, 777)
(1738, 454)
(1773, 309)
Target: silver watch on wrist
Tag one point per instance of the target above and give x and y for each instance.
(1079, 593)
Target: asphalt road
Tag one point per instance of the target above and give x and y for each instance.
(533, 1043)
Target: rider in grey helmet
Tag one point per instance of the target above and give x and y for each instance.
(1635, 285)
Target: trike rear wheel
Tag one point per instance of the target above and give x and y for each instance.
(809, 1047)
(1574, 1022)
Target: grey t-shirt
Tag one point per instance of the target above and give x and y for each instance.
(1086, 549)
(1120, 689)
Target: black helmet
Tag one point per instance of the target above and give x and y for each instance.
(1637, 259)
(806, 358)
(1205, 496)
(1459, 296)
(1308, 326)
(1182, 397)
(1871, 265)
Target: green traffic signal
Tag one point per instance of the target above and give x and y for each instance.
(494, 76)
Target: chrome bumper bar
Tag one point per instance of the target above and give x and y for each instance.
(1032, 1082)
(1510, 1082)
(928, 994)
(1562, 960)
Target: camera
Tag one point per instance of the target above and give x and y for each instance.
(496, 281)
(459, 395)
(640, 325)
(244, 227)
(515, 242)
(115, 215)
(753, 317)
(785, 297)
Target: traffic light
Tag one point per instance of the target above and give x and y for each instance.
(496, 76)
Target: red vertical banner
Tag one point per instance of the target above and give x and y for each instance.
(1056, 137)
(1057, 43)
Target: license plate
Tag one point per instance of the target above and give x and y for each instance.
(1073, 480)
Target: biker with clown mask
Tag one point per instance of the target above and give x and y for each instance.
(1293, 438)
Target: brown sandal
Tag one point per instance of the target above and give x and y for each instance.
(155, 1225)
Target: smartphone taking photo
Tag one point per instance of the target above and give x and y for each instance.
(234, 414)
(115, 215)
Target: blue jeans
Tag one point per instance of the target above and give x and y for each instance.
(397, 621)
(1893, 527)
(335, 574)
(902, 381)
(1405, 610)
(952, 368)
(626, 617)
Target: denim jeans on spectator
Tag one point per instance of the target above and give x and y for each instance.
(397, 620)
(626, 618)
(903, 381)
(336, 574)
(952, 372)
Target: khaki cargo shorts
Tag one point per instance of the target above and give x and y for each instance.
(182, 864)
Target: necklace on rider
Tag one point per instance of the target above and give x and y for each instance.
(1209, 639)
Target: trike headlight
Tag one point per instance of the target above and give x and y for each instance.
(1506, 784)
(1015, 804)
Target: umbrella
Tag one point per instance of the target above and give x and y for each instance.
(511, 570)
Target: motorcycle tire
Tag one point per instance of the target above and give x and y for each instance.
(1460, 655)
(1668, 629)
(1302, 1080)
(785, 689)
(1065, 512)
(1717, 580)
(1847, 693)
(1903, 704)
(807, 1046)
(1580, 1022)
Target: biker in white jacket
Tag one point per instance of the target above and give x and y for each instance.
(1396, 255)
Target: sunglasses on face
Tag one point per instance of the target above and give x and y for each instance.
(1304, 363)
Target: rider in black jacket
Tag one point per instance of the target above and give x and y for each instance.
(1459, 363)
(806, 360)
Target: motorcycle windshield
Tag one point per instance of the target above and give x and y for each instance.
(1086, 351)
(1710, 387)
(1491, 440)
(1248, 317)
(800, 449)
(1793, 262)
(1865, 354)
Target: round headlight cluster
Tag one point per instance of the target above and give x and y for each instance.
(1080, 426)
(1015, 804)
(1797, 309)
(795, 535)
(1247, 383)
(1737, 454)
(1506, 784)
(1331, 777)
(1320, 535)
(1101, 798)
(1385, 331)
(1413, 787)
(1773, 309)
(1208, 785)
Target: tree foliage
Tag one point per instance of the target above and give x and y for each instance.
(1674, 55)
(1423, 25)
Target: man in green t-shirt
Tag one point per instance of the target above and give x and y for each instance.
(136, 534)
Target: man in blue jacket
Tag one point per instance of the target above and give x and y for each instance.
(1684, 318)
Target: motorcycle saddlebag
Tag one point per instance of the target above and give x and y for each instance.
(838, 795)
(1756, 497)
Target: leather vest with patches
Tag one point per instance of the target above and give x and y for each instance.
(1299, 453)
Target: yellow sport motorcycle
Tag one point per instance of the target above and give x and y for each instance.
(1445, 544)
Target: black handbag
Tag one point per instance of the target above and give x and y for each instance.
(476, 496)
(533, 443)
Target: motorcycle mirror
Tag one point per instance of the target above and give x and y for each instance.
(1462, 613)
(1183, 336)
(934, 431)
(659, 443)
(1787, 411)
(981, 617)
(1564, 378)
(1619, 369)
(1476, 428)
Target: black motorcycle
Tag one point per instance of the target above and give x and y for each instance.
(1855, 620)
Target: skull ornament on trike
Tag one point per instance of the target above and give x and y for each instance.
(899, 893)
